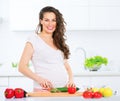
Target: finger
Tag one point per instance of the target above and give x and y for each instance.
(50, 84)
(44, 84)
(68, 85)
(71, 85)
(47, 85)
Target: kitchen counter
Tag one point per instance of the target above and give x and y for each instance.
(18, 74)
(113, 98)
(98, 73)
(8, 72)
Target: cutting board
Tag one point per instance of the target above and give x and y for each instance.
(49, 94)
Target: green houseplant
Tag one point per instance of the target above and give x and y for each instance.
(94, 63)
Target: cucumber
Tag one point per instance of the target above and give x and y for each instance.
(61, 89)
(54, 90)
(77, 88)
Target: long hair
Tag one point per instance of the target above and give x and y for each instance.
(59, 33)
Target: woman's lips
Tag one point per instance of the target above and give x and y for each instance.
(50, 28)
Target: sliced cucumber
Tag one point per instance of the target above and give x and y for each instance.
(61, 89)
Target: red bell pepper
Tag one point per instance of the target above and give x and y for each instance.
(9, 93)
(19, 93)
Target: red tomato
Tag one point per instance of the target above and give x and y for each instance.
(71, 90)
(97, 95)
(9, 93)
(92, 94)
(87, 94)
(19, 93)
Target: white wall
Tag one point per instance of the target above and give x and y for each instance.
(99, 42)
(105, 43)
(95, 42)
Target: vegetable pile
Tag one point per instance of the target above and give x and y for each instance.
(98, 92)
(95, 61)
(17, 93)
(70, 90)
(20, 93)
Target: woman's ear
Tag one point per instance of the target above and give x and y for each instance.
(41, 22)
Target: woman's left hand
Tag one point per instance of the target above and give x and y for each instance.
(71, 84)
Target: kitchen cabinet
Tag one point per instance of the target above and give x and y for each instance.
(3, 85)
(82, 80)
(75, 13)
(104, 14)
(78, 14)
(15, 82)
(98, 81)
(11, 78)
(3, 81)
(22, 82)
(113, 82)
(2, 89)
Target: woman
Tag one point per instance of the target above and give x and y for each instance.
(48, 52)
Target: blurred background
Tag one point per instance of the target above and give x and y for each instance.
(93, 28)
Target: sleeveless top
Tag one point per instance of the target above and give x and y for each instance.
(48, 62)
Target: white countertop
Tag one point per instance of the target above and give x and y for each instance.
(99, 73)
(16, 73)
(5, 71)
(113, 98)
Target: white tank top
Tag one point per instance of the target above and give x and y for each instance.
(48, 62)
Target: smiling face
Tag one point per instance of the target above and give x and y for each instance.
(48, 22)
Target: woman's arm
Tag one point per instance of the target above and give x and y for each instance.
(70, 74)
(24, 61)
(23, 67)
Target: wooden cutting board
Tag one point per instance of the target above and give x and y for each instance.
(49, 94)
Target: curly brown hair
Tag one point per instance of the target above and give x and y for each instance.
(59, 33)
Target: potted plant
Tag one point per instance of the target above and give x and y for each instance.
(94, 63)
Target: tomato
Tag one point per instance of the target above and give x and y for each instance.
(71, 90)
(97, 95)
(19, 93)
(87, 94)
(9, 93)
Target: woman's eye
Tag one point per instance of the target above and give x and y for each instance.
(46, 20)
(54, 20)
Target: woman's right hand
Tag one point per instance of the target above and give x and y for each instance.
(45, 84)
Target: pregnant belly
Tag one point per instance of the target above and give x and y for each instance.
(58, 78)
(55, 73)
